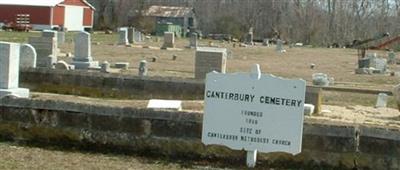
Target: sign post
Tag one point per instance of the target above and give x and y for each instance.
(254, 112)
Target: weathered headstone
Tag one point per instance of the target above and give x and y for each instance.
(265, 113)
(123, 36)
(9, 71)
(391, 57)
(131, 35)
(169, 40)
(105, 67)
(122, 65)
(138, 36)
(279, 46)
(83, 53)
(320, 79)
(27, 56)
(266, 42)
(381, 100)
(61, 37)
(45, 47)
(380, 65)
(53, 34)
(209, 59)
(193, 40)
(249, 38)
(143, 68)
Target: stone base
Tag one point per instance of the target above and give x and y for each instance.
(86, 65)
(363, 71)
(18, 92)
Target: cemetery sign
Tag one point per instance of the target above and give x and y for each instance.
(254, 112)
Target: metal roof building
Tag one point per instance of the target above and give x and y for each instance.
(183, 16)
(74, 15)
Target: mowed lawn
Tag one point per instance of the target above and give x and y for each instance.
(17, 157)
(295, 63)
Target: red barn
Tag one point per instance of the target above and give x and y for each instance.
(74, 15)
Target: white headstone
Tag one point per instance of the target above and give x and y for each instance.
(27, 56)
(9, 71)
(254, 112)
(123, 36)
(105, 67)
(381, 64)
(83, 55)
(279, 46)
(382, 100)
(165, 104)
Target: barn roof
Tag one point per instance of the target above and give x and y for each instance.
(49, 3)
(168, 11)
(31, 2)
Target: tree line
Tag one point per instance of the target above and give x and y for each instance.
(315, 22)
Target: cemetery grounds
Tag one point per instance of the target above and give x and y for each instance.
(295, 63)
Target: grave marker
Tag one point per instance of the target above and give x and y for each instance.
(209, 59)
(131, 35)
(27, 56)
(83, 53)
(279, 46)
(165, 104)
(254, 112)
(9, 71)
(193, 40)
(45, 47)
(169, 40)
(123, 36)
(143, 68)
(381, 100)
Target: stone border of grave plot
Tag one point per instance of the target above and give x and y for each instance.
(177, 134)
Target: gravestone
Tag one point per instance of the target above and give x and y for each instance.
(266, 42)
(131, 35)
(391, 57)
(122, 65)
(320, 79)
(27, 56)
(381, 100)
(279, 46)
(143, 68)
(105, 67)
(60, 37)
(380, 65)
(396, 95)
(169, 40)
(9, 71)
(249, 38)
(193, 40)
(138, 36)
(45, 47)
(54, 34)
(253, 112)
(165, 104)
(83, 55)
(123, 36)
(209, 59)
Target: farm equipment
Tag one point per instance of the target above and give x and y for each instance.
(21, 23)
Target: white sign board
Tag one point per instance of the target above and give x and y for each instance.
(263, 113)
